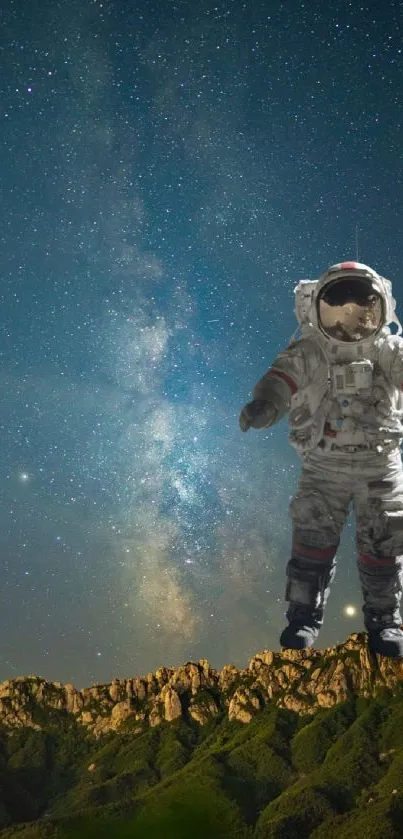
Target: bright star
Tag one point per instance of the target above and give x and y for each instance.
(350, 611)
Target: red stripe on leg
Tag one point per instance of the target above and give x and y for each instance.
(308, 552)
(367, 559)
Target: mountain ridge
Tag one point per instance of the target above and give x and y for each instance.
(296, 745)
(303, 681)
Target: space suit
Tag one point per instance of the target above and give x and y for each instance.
(341, 383)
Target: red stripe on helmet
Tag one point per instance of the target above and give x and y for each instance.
(348, 265)
(289, 381)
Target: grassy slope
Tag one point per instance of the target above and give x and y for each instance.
(280, 777)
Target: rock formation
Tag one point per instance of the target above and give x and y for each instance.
(302, 681)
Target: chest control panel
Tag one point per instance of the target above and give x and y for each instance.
(351, 377)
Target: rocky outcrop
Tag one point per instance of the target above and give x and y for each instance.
(243, 705)
(302, 681)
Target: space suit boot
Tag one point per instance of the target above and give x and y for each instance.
(303, 628)
(382, 590)
(387, 641)
(307, 590)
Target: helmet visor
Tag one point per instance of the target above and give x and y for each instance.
(350, 309)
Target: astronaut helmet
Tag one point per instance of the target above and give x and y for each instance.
(352, 303)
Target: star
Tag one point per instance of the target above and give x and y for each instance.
(24, 477)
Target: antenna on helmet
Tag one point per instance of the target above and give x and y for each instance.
(356, 242)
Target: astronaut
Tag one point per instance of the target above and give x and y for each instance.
(341, 382)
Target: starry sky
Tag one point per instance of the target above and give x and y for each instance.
(168, 172)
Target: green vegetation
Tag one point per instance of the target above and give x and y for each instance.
(283, 776)
(311, 744)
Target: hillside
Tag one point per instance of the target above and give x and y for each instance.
(298, 744)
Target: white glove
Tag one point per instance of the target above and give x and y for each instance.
(257, 414)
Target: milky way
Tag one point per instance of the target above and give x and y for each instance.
(168, 173)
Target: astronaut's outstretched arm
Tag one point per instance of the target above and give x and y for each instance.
(272, 393)
(276, 390)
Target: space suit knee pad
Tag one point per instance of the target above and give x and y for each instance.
(308, 582)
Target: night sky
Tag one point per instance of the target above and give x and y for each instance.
(168, 172)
